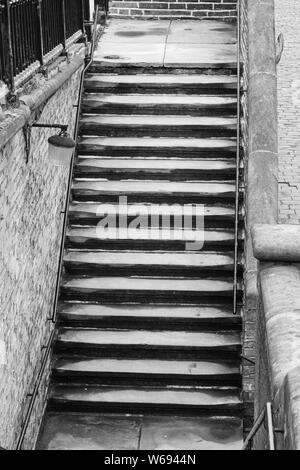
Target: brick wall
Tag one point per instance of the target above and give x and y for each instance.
(32, 196)
(196, 9)
(249, 311)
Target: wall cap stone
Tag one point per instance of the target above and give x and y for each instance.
(14, 119)
(290, 396)
(276, 243)
(280, 300)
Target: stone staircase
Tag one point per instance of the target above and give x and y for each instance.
(146, 329)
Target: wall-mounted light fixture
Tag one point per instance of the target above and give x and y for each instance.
(61, 146)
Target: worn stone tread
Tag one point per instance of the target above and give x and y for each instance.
(196, 398)
(161, 80)
(93, 211)
(75, 337)
(81, 234)
(134, 368)
(95, 187)
(203, 260)
(169, 101)
(95, 431)
(125, 121)
(203, 314)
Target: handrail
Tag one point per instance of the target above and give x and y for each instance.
(237, 181)
(34, 395)
(65, 212)
(266, 416)
(48, 348)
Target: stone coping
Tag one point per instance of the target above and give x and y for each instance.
(280, 299)
(290, 397)
(277, 243)
(14, 119)
(276, 247)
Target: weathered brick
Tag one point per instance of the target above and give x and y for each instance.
(31, 201)
(172, 8)
(289, 111)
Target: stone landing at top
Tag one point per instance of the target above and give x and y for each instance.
(167, 43)
(196, 9)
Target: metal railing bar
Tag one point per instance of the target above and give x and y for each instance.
(257, 425)
(270, 426)
(35, 392)
(265, 416)
(65, 212)
(65, 221)
(237, 182)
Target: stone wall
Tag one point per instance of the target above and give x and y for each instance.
(196, 9)
(32, 199)
(287, 16)
(249, 314)
(278, 332)
(259, 124)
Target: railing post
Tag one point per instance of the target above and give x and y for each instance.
(64, 27)
(39, 31)
(6, 45)
(82, 15)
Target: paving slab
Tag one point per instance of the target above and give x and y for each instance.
(202, 32)
(95, 431)
(169, 43)
(173, 433)
(114, 54)
(136, 32)
(201, 55)
(76, 431)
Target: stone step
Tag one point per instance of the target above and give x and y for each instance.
(130, 400)
(151, 147)
(135, 263)
(141, 344)
(148, 169)
(155, 83)
(146, 371)
(94, 431)
(93, 189)
(147, 316)
(150, 239)
(89, 213)
(147, 289)
(159, 104)
(153, 125)
(109, 66)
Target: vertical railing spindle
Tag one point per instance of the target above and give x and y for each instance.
(39, 32)
(64, 27)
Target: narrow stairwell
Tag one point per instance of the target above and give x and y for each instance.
(147, 347)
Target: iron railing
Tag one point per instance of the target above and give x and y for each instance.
(265, 418)
(238, 159)
(31, 29)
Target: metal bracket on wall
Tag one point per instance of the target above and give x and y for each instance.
(27, 138)
(247, 359)
(279, 48)
(27, 134)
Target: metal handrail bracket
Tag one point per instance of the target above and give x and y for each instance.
(266, 416)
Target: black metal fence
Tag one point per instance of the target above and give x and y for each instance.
(30, 29)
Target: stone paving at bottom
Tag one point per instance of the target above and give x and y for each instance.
(288, 23)
(73, 431)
